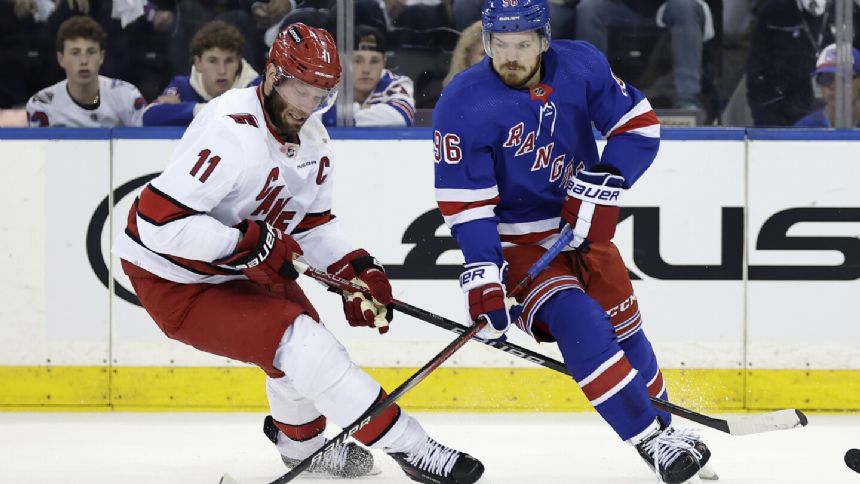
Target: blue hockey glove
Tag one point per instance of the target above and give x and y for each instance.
(483, 284)
(591, 206)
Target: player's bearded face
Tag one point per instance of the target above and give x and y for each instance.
(516, 57)
(291, 102)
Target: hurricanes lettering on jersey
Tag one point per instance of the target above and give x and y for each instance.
(236, 174)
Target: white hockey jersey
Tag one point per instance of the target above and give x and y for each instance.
(229, 166)
(120, 104)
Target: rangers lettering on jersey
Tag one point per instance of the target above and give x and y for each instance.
(497, 191)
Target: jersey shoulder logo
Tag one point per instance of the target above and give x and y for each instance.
(245, 118)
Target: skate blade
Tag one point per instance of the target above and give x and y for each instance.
(693, 480)
(707, 473)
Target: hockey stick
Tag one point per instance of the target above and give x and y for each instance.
(752, 424)
(417, 377)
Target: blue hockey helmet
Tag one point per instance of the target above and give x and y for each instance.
(503, 16)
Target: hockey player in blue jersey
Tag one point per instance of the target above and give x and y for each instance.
(516, 160)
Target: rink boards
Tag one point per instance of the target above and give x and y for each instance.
(744, 246)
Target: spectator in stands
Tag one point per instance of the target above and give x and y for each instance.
(84, 98)
(218, 66)
(420, 14)
(381, 98)
(825, 78)
(784, 46)
(323, 14)
(27, 54)
(468, 51)
(689, 23)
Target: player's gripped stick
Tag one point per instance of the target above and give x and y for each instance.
(378, 408)
(753, 424)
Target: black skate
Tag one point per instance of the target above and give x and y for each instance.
(343, 460)
(679, 454)
(433, 463)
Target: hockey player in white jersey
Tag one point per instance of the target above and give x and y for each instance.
(209, 248)
(84, 99)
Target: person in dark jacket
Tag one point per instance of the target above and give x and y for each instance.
(786, 40)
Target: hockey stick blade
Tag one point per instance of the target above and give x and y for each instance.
(786, 419)
(852, 460)
(746, 425)
(228, 479)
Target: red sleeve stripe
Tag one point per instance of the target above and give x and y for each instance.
(158, 208)
(200, 267)
(195, 266)
(373, 431)
(609, 378)
(656, 387)
(313, 220)
(453, 208)
(539, 295)
(629, 327)
(527, 239)
(131, 227)
(403, 106)
(303, 432)
(644, 120)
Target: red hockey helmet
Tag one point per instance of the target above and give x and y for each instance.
(308, 54)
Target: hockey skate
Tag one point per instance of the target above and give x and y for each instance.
(676, 456)
(346, 461)
(434, 463)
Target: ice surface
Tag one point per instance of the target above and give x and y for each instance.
(196, 448)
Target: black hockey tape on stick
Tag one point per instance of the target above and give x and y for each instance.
(418, 376)
(751, 424)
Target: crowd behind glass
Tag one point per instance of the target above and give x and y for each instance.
(763, 63)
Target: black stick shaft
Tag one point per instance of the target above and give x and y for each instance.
(431, 365)
(379, 407)
(510, 348)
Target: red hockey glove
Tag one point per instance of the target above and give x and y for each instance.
(264, 254)
(591, 206)
(483, 284)
(362, 269)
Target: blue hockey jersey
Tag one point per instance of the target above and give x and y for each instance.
(503, 155)
(190, 90)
